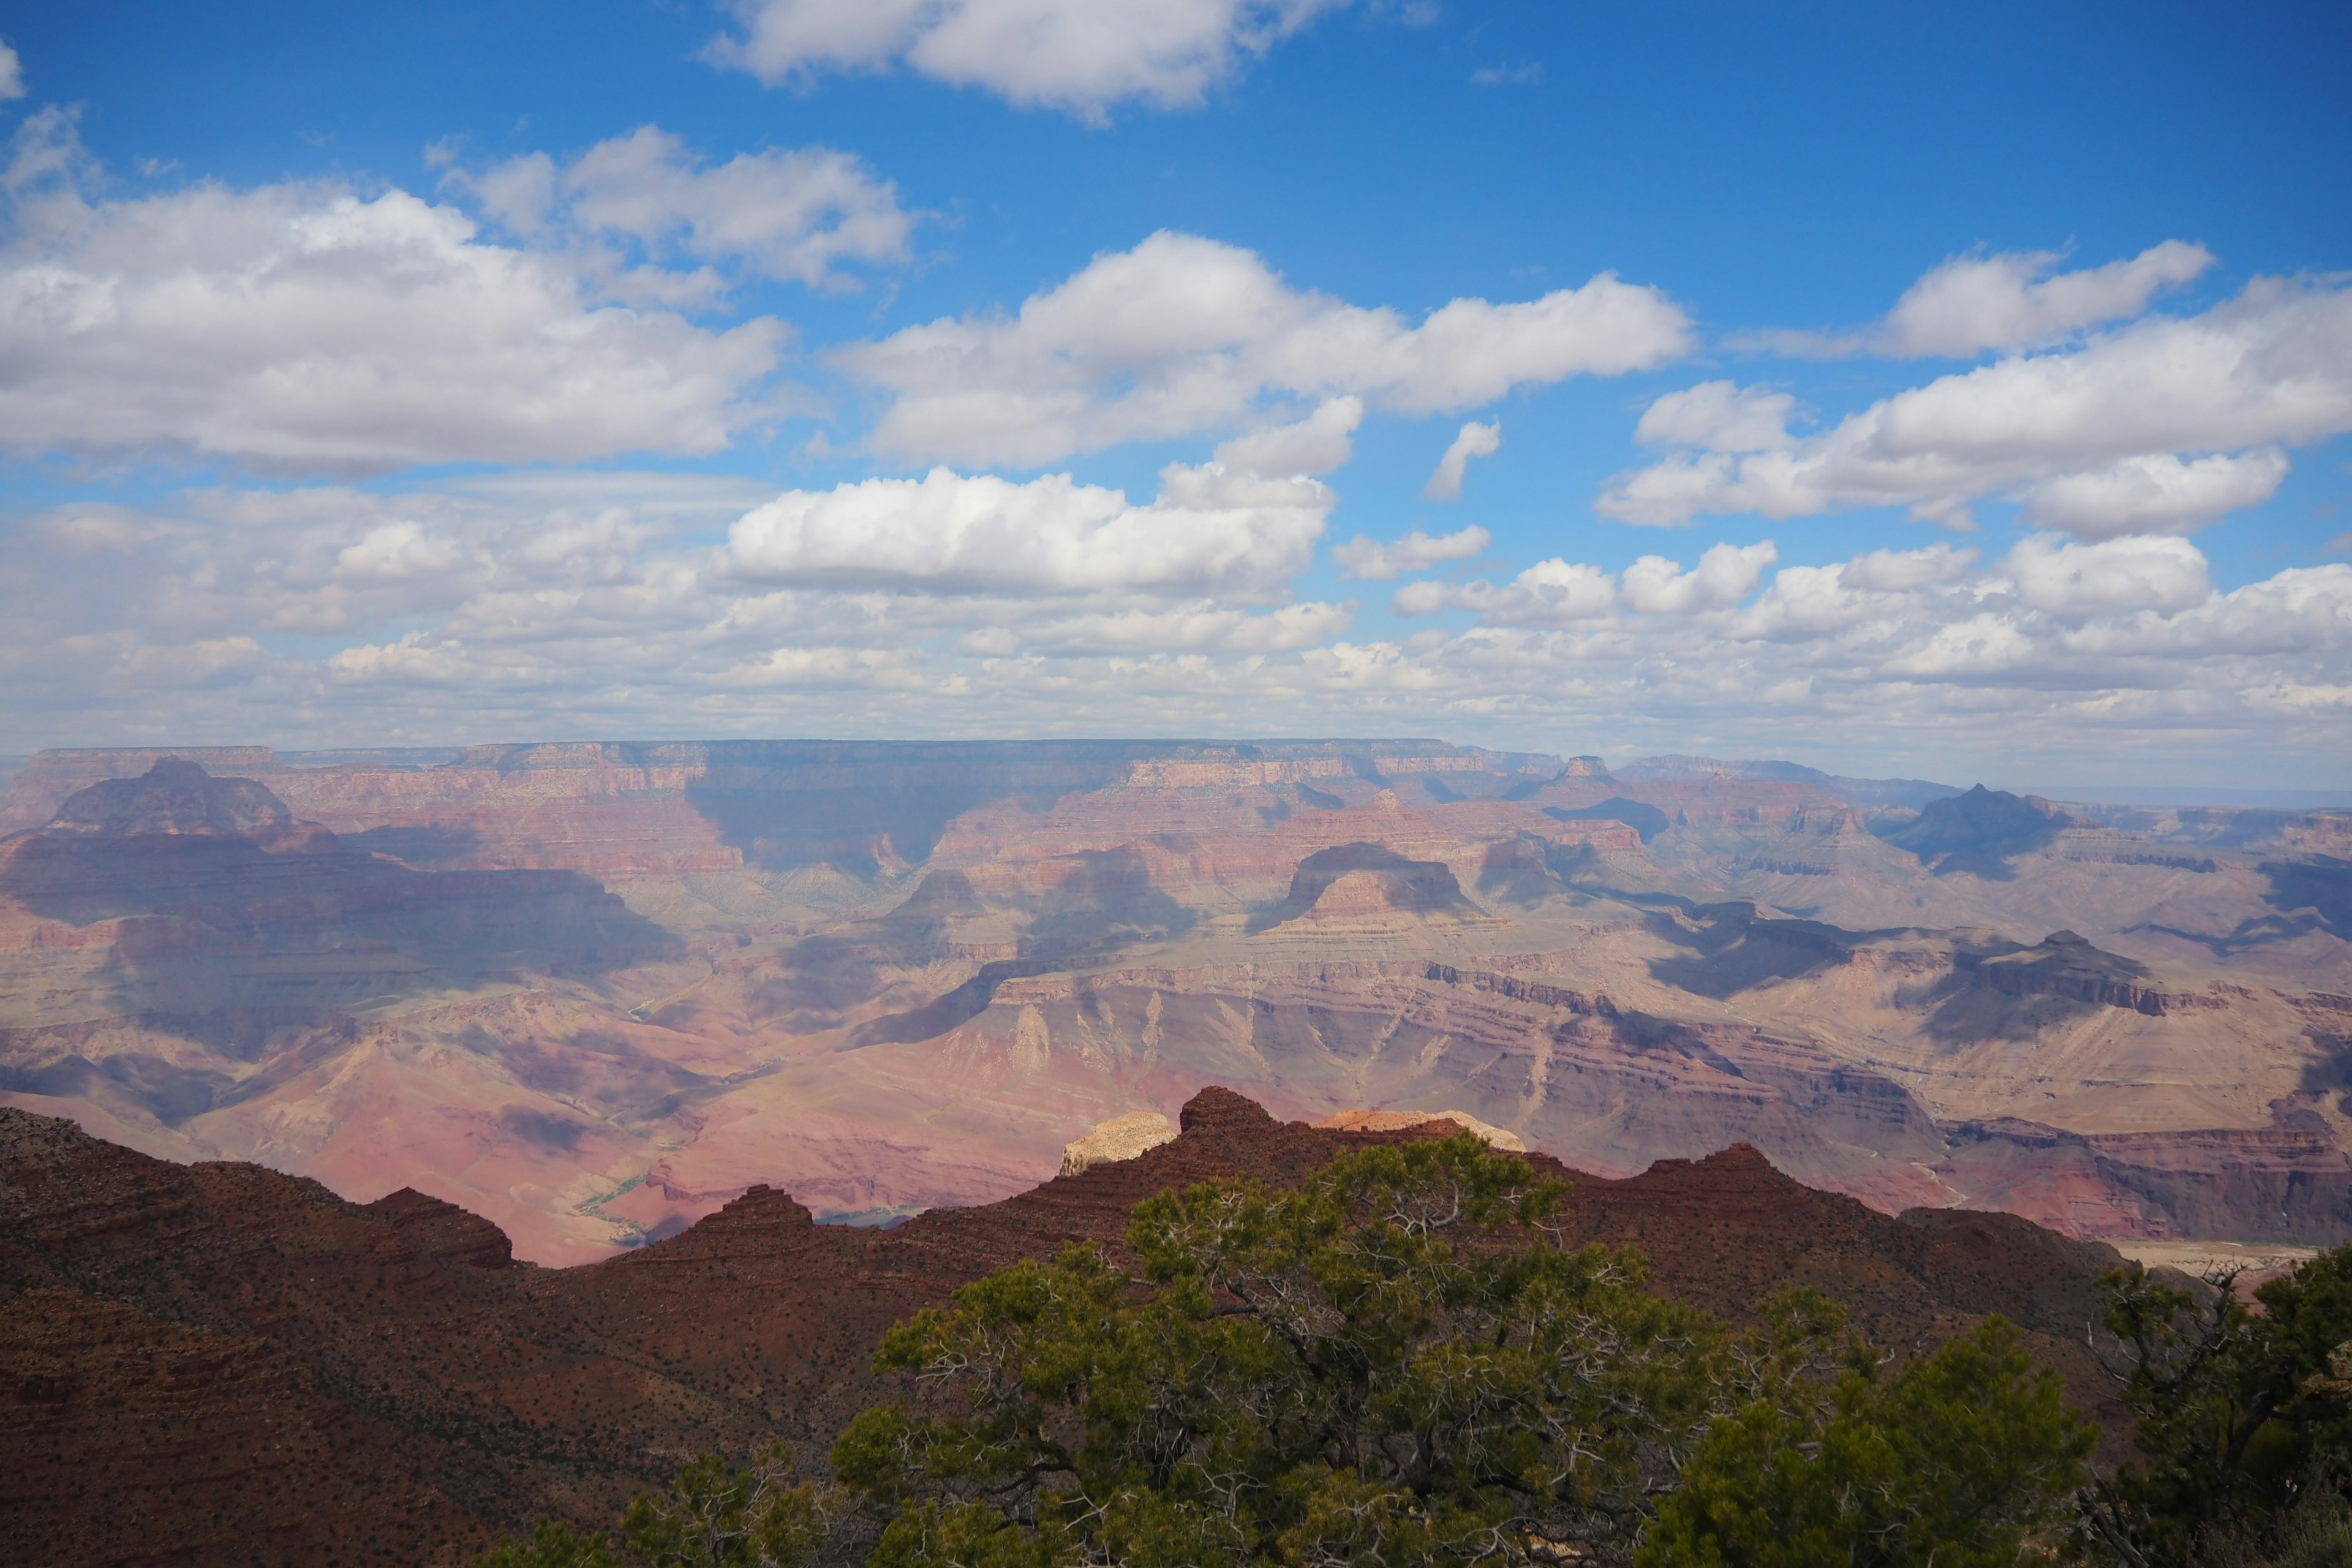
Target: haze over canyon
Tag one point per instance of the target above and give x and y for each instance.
(595, 992)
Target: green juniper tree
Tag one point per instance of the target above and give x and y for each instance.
(1392, 1363)
(1397, 1364)
(2244, 1417)
(713, 1515)
(1957, 1460)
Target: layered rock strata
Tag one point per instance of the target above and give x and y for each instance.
(597, 991)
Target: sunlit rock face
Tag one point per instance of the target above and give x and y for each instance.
(1120, 1138)
(1398, 1120)
(596, 992)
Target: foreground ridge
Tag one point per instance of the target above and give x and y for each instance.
(216, 1362)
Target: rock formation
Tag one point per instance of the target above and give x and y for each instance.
(219, 1364)
(596, 992)
(1120, 1138)
(1399, 1120)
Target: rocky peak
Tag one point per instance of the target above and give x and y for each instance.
(1219, 1109)
(441, 1229)
(173, 797)
(1980, 832)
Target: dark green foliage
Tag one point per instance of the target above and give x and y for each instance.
(1954, 1461)
(2245, 1417)
(553, 1546)
(1398, 1365)
(714, 1515)
(1318, 1376)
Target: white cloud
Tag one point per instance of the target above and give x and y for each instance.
(1558, 592)
(12, 74)
(591, 602)
(2089, 436)
(1726, 574)
(1210, 529)
(2078, 580)
(1315, 445)
(1549, 593)
(1189, 628)
(1810, 602)
(2014, 300)
(2157, 494)
(1474, 441)
(1082, 56)
(1368, 560)
(794, 215)
(1720, 416)
(1183, 335)
(2020, 299)
(1898, 571)
(395, 552)
(301, 327)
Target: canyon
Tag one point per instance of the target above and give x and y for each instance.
(597, 993)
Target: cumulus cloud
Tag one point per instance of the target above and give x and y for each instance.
(1185, 629)
(12, 74)
(1474, 441)
(2008, 300)
(2077, 580)
(1316, 444)
(1368, 560)
(302, 327)
(2021, 299)
(1719, 415)
(596, 602)
(1559, 592)
(1183, 335)
(1209, 530)
(1080, 56)
(1726, 574)
(1808, 602)
(2091, 438)
(794, 214)
(2154, 494)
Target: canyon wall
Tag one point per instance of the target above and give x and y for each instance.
(596, 991)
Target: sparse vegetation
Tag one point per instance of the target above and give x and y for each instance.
(713, 1515)
(1397, 1362)
(2244, 1421)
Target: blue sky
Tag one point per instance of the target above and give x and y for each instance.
(454, 374)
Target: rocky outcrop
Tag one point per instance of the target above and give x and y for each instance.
(1120, 1138)
(219, 1364)
(1868, 793)
(443, 1230)
(1399, 1120)
(2065, 964)
(2284, 1183)
(1359, 880)
(1980, 832)
(175, 796)
(38, 789)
